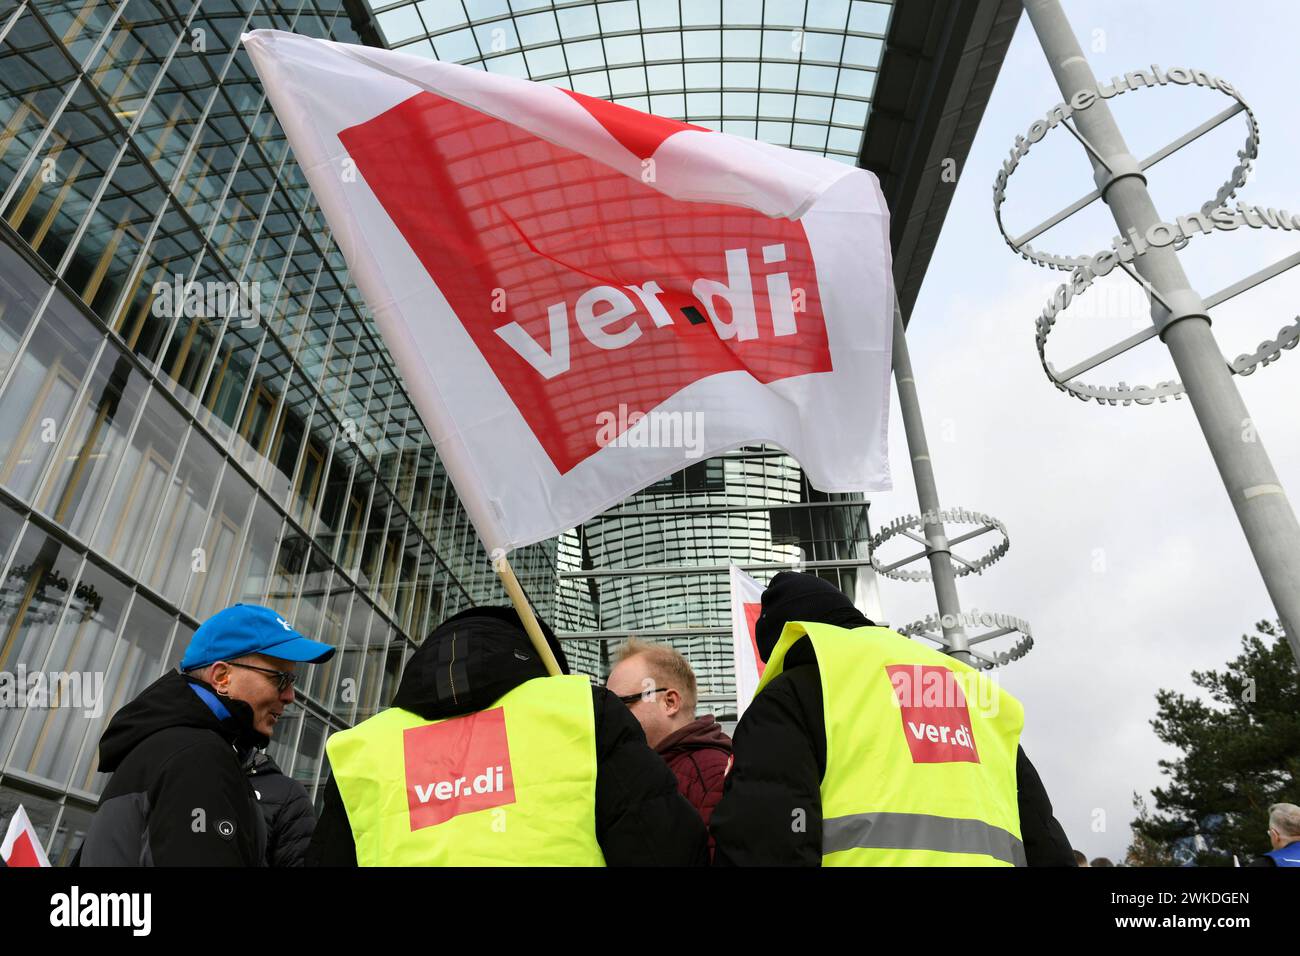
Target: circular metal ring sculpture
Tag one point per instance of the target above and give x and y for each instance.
(1060, 115)
(930, 628)
(1213, 216)
(904, 526)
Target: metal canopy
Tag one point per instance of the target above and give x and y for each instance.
(941, 60)
(796, 73)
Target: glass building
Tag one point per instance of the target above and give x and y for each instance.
(657, 566)
(162, 456)
(196, 409)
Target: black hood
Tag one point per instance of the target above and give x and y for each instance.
(802, 597)
(469, 661)
(259, 762)
(170, 702)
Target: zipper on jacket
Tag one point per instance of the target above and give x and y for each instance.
(451, 669)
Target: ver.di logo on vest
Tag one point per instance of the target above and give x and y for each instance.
(457, 766)
(936, 726)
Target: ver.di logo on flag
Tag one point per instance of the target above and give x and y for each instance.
(677, 290)
(457, 766)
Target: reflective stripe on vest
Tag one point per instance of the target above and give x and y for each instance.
(902, 831)
(513, 784)
(920, 753)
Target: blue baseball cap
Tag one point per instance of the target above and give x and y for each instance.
(250, 629)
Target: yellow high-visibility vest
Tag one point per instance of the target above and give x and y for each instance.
(511, 785)
(920, 752)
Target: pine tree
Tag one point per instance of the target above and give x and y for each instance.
(1240, 753)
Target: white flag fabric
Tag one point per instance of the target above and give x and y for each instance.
(21, 846)
(583, 298)
(746, 605)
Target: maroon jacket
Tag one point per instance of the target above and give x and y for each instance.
(698, 755)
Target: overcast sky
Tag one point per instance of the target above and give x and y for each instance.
(1126, 556)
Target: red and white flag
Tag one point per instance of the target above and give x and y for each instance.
(583, 298)
(22, 847)
(746, 605)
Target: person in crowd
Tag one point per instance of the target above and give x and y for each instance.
(1080, 859)
(861, 748)
(658, 686)
(485, 760)
(1101, 861)
(286, 808)
(178, 795)
(1284, 834)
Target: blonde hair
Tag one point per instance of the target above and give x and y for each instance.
(668, 666)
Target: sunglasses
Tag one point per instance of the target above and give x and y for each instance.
(283, 679)
(631, 699)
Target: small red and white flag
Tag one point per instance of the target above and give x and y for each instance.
(746, 605)
(583, 298)
(22, 847)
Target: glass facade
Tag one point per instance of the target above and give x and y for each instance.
(195, 408)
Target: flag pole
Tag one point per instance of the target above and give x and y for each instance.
(927, 495)
(525, 611)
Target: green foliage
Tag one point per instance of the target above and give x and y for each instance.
(1240, 753)
(1145, 850)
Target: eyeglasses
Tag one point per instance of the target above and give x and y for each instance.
(631, 699)
(283, 679)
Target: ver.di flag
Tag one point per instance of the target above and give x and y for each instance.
(746, 606)
(583, 298)
(21, 846)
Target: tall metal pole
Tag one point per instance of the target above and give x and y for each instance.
(927, 496)
(1262, 508)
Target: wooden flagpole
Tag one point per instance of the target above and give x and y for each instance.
(525, 612)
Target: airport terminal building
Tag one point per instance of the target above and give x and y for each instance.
(196, 408)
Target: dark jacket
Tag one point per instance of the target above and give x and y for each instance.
(178, 795)
(1291, 849)
(698, 755)
(780, 751)
(286, 808)
(469, 662)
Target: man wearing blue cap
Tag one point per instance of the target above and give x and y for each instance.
(179, 795)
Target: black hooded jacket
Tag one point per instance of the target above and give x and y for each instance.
(178, 795)
(468, 663)
(286, 808)
(780, 749)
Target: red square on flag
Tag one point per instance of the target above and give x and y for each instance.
(752, 613)
(23, 853)
(457, 766)
(936, 719)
